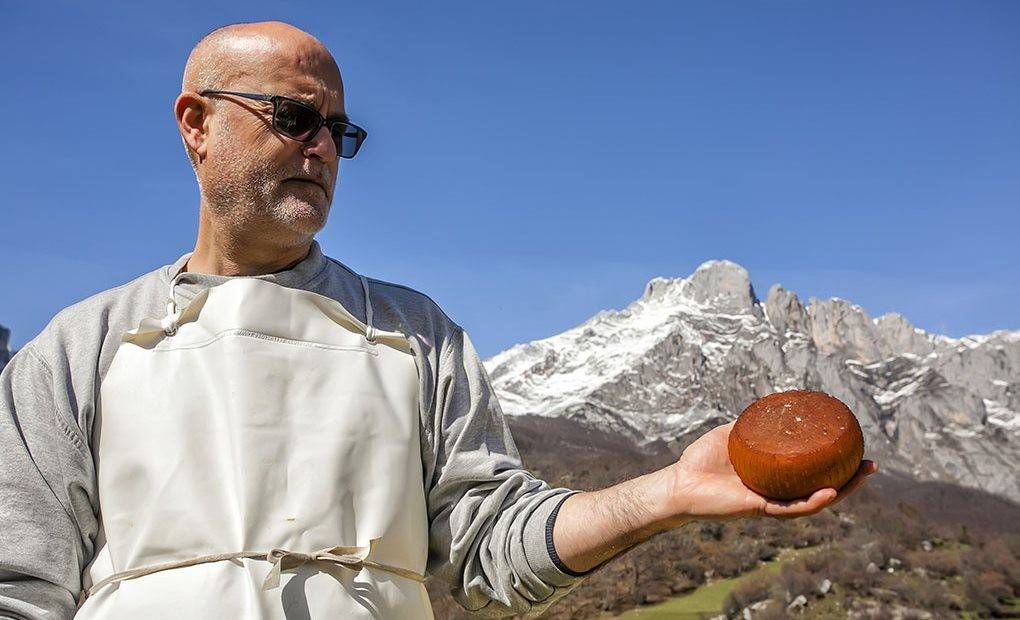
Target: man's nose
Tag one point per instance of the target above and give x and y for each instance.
(322, 145)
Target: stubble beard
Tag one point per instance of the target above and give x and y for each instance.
(248, 193)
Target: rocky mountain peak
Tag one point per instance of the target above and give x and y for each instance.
(898, 335)
(838, 325)
(785, 311)
(721, 286)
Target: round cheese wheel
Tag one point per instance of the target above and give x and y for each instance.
(787, 445)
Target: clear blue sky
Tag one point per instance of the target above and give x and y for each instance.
(534, 162)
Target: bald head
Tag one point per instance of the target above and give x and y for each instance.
(245, 52)
(247, 56)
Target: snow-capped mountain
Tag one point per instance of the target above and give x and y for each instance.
(692, 352)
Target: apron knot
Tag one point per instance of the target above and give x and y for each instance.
(352, 557)
(173, 316)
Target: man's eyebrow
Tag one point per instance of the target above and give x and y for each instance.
(310, 100)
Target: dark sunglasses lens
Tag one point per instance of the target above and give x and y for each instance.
(296, 121)
(348, 139)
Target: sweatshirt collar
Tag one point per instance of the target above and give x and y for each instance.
(298, 276)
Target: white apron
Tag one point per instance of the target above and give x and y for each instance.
(260, 429)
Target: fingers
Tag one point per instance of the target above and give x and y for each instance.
(822, 498)
(866, 469)
(801, 507)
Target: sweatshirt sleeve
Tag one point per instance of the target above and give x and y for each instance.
(45, 471)
(490, 520)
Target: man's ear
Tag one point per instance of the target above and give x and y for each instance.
(192, 112)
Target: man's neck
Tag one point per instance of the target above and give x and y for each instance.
(231, 255)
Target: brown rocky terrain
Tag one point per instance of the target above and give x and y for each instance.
(949, 548)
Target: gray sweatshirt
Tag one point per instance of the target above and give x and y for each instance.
(490, 520)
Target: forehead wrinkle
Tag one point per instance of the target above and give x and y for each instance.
(318, 94)
(315, 70)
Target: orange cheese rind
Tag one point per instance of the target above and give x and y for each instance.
(787, 445)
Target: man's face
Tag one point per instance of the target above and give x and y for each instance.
(261, 178)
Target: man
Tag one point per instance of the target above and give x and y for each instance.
(96, 491)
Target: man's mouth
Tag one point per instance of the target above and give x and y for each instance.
(312, 181)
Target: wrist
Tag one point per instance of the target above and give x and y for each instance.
(594, 526)
(667, 499)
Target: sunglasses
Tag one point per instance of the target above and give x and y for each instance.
(300, 121)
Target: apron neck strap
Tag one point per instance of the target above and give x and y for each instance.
(173, 315)
(370, 331)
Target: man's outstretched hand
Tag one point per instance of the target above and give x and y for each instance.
(705, 486)
(593, 527)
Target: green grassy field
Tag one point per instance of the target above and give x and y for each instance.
(706, 601)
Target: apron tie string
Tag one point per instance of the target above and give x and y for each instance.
(352, 557)
(282, 559)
